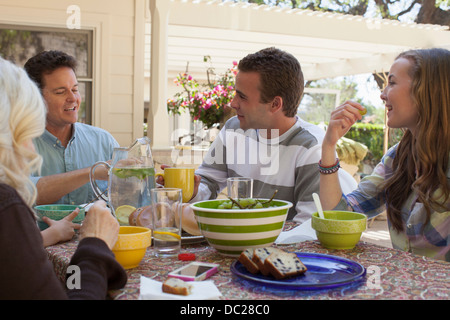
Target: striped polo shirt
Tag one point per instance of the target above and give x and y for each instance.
(287, 164)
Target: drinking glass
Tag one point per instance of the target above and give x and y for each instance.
(167, 205)
(240, 187)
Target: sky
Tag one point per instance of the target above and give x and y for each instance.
(368, 90)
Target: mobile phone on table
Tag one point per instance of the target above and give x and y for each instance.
(195, 271)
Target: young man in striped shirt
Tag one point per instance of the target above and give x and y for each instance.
(266, 140)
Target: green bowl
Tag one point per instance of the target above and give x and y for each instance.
(339, 229)
(56, 212)
(231, 231)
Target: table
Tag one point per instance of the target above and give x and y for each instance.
(401, 275)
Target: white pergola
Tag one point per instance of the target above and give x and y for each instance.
(326, 44)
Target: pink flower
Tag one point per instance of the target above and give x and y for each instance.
(203, 103)
(207, 104)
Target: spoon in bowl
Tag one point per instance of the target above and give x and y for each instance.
(318, 205)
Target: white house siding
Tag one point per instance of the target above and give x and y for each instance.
(118, 54)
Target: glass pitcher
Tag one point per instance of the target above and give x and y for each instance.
(131, 177)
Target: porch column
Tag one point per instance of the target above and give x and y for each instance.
(158, 117)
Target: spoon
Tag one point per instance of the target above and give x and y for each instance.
(98, 197)
(95, 199)
(318, 205)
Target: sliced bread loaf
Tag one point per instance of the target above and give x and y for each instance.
(246, 259)
(260, 255)
(284, 264)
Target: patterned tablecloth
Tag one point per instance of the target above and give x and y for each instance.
(401, 275)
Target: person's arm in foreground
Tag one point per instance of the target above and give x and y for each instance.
(27, 273)
(99, 269)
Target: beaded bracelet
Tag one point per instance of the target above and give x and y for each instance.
(331, 169)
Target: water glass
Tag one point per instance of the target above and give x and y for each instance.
(240, 187)
(167, 208)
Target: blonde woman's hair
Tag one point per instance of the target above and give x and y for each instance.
(422, 160)
(23, 112)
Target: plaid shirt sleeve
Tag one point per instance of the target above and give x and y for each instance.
(432, 239)
(367, 198)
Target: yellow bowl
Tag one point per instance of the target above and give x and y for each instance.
(339, 229)
(131, 245)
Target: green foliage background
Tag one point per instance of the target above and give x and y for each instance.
(372, 136)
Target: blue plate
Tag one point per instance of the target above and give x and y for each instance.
(324, 272)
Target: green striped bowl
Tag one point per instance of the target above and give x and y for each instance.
(231, 231)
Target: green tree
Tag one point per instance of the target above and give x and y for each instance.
(430, 11)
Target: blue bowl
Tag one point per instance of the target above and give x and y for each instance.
(57, 212)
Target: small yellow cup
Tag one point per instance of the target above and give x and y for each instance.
(179, 177)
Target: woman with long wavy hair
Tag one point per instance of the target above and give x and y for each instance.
(412, 181)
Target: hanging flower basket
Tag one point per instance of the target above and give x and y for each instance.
(208, 103)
